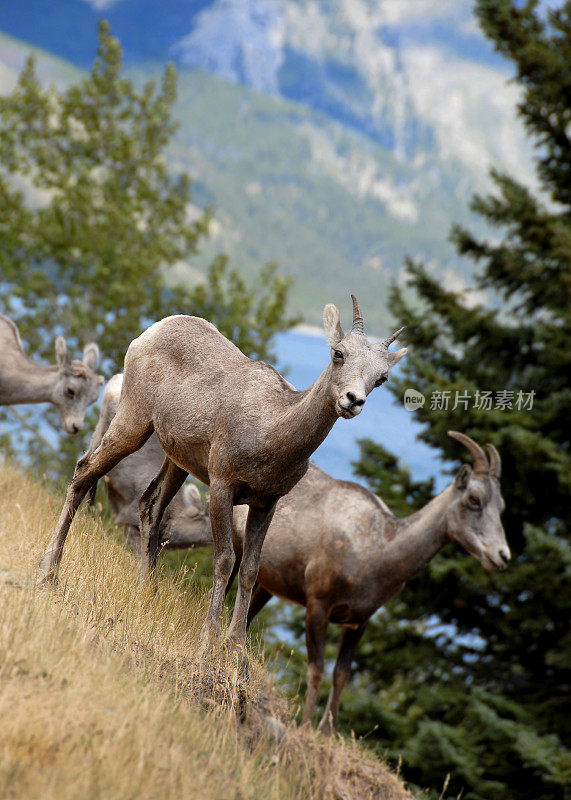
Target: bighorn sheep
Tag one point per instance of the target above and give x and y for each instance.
(71, 385)
(336, 549)
(186, 522)
(234, 424)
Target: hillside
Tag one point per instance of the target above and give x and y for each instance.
(338, 193)
(101, 695)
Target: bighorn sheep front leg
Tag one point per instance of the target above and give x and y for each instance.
(257, 525)
(221, 504)
(152, 506)
(350, 638)
(316, 620)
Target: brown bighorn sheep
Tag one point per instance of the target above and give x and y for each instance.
(185, 523)
(71, 385)
(336, 549)
(234, 424)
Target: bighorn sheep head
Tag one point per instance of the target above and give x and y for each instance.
(474, 518)
(358, 366)
(196, 514)
(77, 385)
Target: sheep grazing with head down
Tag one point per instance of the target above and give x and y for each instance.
(71, 385)
(185, 523)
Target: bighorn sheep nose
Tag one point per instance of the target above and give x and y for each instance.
(354, 400)
(505, 555)
(73, 428)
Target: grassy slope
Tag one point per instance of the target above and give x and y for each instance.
(100, 695)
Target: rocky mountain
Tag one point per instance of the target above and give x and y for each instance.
(334, 136)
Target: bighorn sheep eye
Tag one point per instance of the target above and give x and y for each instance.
(474, 501)
(338, 355)
(380, 381)
(70, 392)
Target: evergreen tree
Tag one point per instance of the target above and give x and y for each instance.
(466, 673)
(91, 219)
(391, 481)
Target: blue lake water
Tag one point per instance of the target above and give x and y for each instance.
(304, 356)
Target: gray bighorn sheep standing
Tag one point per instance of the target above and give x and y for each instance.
(185, 523)
(336, 549)
(71, 385)
(234, 424)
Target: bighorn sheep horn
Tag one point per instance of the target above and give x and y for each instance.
(495, 461)
(480, 462)
(357, 317)
(390, 339)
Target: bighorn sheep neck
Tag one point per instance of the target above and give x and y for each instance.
(336, 549)
(233, 423)
(69, 385)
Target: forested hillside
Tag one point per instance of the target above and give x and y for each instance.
(336, 154)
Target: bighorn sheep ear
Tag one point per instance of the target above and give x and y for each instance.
(62, 355)
(192, 495)
(394, 358)
(462, 476)
(332, 324)
(91, 355)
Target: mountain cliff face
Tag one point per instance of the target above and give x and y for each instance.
(416, 77)
(334, 136)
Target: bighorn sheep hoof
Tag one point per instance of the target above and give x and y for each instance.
(47, 578)
(236, 650)
(325, 727)
(274, 729)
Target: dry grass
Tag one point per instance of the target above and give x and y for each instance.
(101, 695)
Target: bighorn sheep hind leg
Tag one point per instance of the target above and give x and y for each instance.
(152, 505)
(316, 620)
(121, 440)
(234, 572)
(257, 525)
(350, 638)
(260, 597)
(221, 505)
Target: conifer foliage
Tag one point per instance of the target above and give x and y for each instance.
(467, 673)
